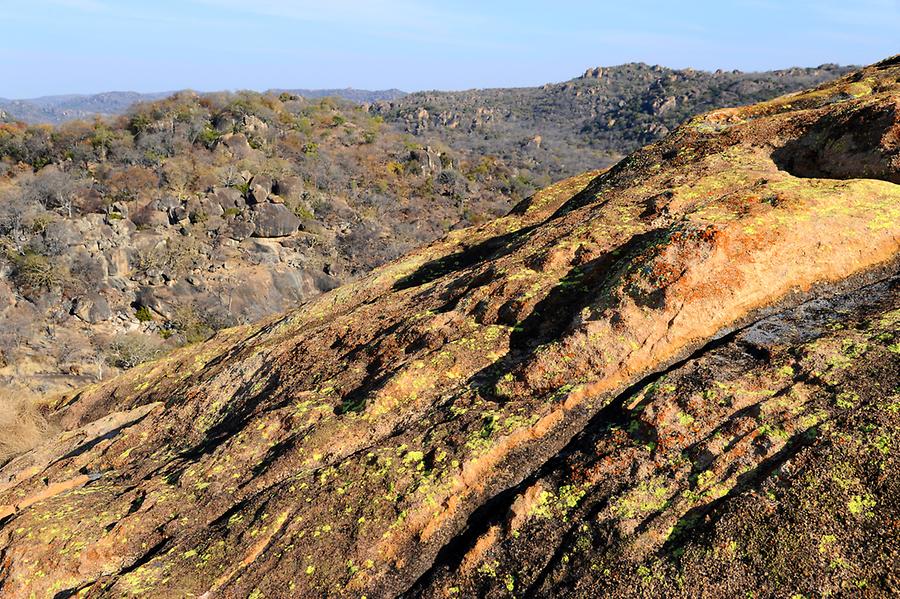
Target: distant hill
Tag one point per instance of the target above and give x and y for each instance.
(562, 129)
(360, 96)
(554, 130)
(59, 109)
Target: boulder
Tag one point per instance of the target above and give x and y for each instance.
(288, 187)
(212, 208)
(227, 197)
(215, 224)
(426, 158)
(261, 252)
(314, 227)
(149, 297)
(254, 124)
(92, 308)
(239, 229)
(150, 216)
(238, 145)
(258, 194)
(118, 264)
(167, 203)
(201, 209)
(119, 208)
(63, 231)
(177, 214)
(121, 226)
(224, 123)
(274, 220)
(7, 297)
(260, 188)
(120, 284)
(90, 227)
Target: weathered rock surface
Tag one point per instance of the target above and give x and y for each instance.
(274, 220)
(678, 377)
(93, 308)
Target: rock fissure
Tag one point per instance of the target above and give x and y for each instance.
(495, 510)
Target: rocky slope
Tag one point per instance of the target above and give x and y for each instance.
(120, 240)
(561, 129)
(677, 377)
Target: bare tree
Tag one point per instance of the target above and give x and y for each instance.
(53, 189)
(16, 217)
(16, 330)
(130, 349)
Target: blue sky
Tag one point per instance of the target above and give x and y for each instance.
(84, 46)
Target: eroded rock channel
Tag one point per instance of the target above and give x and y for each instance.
(719, 471)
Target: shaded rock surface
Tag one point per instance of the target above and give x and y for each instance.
(677, 377)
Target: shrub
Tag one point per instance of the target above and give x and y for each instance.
(193, 324)
(130, 349)
(35, 273)
(244, 188)
(143, 314)
(209, 136)
(126, 184)
(181, 253)
(139, 123)
(53, 189)
(303, 213)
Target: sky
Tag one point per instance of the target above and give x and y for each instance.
(88, 46)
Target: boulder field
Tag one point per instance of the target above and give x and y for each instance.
(676, 377)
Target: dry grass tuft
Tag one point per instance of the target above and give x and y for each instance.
(24, 424)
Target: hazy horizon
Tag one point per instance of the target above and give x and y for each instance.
(372, 89)
(62, 47)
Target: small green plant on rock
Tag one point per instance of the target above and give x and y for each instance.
(143, 314)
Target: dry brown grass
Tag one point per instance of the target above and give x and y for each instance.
(23, 425)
